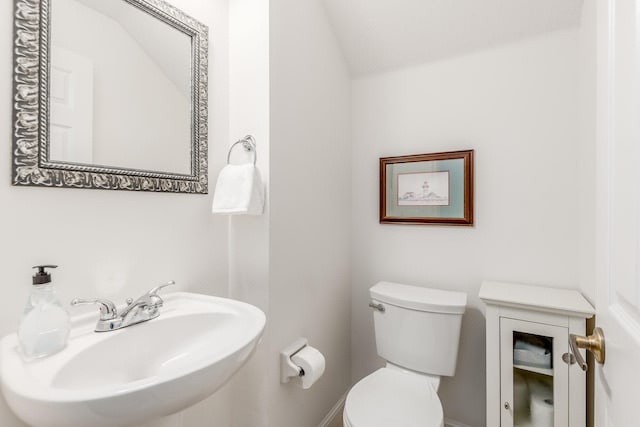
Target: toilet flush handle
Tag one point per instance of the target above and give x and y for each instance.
(378, 307)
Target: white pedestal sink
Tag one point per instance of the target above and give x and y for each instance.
(135, 374)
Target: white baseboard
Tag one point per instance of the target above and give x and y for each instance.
(334, 417)
(453, 423)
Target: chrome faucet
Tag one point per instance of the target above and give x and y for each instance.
(145, 308)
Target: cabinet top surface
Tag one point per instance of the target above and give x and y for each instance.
(555, 300)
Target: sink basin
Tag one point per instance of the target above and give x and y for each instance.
(135, 374)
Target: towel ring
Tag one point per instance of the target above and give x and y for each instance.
(249, 144)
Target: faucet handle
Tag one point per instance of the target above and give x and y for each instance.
(154, 291)
(108, 310)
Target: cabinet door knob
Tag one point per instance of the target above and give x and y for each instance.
(568, 358)
(507, 406)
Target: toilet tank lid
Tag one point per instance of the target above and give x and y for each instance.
(419, 298)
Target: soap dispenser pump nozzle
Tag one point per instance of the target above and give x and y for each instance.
(42, 276)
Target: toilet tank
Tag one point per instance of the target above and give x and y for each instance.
(419, 328)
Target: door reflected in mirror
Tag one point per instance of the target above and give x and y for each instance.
(120, 88)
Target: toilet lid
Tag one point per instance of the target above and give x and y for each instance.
(390, 397)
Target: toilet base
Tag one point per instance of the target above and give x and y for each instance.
(410, 398)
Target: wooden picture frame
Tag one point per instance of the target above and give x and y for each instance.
(434, 188)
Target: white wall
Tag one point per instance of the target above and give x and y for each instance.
(586, 154)
(290, 89)
(516, 105)
(249, 236)
(310, 203)
(115, 244)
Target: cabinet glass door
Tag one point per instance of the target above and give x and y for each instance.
(534, 381)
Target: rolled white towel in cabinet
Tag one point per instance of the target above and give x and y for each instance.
(541, 411)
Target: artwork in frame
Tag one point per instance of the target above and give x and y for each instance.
(434, 188)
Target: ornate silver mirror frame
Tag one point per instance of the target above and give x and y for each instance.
(31, 164)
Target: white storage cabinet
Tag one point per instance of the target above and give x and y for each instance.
(530, 381)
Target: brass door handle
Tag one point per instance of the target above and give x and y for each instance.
(593, 343)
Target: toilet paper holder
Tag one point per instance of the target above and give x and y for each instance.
(288, 369)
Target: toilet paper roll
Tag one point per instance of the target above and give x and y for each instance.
(541, 411)
(312, 363)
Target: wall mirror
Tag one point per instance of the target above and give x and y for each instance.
(109, 95)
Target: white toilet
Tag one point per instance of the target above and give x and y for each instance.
(417, 333)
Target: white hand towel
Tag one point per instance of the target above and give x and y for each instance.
(239, 190)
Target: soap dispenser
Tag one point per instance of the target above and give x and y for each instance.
(44, 326)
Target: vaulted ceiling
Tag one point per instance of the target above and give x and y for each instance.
(378, 35)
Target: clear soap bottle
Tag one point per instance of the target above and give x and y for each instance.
(44, 325)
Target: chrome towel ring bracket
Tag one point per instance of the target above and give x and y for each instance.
(249, 145)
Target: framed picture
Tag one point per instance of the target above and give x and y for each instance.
(432, 188)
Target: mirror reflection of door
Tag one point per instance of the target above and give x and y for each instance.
(136, 113)
(71, 97)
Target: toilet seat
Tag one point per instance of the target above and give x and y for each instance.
(390, 397)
